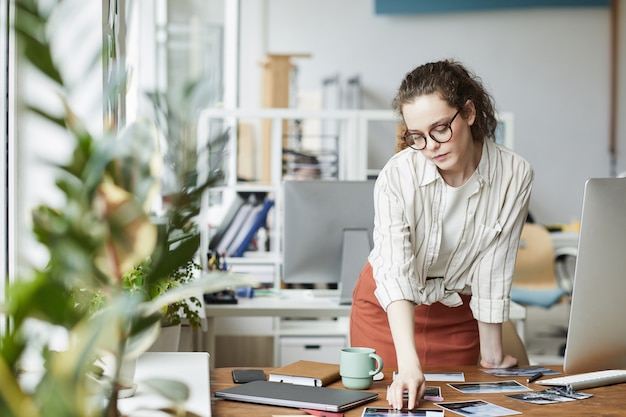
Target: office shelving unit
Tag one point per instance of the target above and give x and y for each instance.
(351, 154)
(275, 335)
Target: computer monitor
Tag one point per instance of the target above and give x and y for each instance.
(327, 228)
(596, 337)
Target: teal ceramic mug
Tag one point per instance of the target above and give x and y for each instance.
(357, 367)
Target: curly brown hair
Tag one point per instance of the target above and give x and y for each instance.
(455, 84)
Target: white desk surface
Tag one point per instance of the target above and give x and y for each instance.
(191, 368)
(301, 304)
(288, 303)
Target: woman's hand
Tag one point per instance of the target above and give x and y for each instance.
(411, 380)
(492, 354)
(507, 362)
(401, 315)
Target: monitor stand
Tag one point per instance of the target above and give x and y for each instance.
(356, 247)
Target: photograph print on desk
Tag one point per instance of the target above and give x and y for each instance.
(525, 371)
(489, 387)
(405, 412)
(477, 408)
(551, 396)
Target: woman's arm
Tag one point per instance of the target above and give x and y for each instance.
(493, 274)
(492, 354)
(401, 316)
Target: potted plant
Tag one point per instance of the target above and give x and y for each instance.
(175, 314)
(101, 232)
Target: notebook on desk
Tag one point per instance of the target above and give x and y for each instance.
(297, 396)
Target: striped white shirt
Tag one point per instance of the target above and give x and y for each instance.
(409, 202)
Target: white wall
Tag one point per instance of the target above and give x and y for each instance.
(550, 67)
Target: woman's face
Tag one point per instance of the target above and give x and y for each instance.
(429, 111)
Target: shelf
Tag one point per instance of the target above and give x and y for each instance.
(264, 258)
(288, 313)
(350, 151)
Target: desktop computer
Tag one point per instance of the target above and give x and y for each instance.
(596, 338)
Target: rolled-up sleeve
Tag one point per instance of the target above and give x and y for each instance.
(391, 258)
(398, 258)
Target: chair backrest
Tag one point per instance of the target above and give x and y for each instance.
(534, 266)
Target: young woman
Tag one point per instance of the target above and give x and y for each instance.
(449, 208)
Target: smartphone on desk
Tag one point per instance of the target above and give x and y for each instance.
(241, 376)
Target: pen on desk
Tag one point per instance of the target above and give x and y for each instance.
(535, 377)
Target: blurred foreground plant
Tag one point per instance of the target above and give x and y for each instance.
(101, 233)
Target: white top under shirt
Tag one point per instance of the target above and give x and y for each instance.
(455, 202)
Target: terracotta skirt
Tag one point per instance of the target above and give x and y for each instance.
(443, 335)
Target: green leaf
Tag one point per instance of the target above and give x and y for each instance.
(144, 331)
(13, 401)
(43, 299)
(174, 391)
(170, 260)
(59, 121)
(66, 388)
(135, 149)
(209, 283)
(30, 27)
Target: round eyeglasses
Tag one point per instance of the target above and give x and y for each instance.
(440, 134)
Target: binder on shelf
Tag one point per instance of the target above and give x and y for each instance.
(257, 220)
(233, 229)
(226, 224)
(241, 223)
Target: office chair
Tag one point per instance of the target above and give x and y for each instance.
(534, 280)
(542, 277)
(565, 265)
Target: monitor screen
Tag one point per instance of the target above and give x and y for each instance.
(321, 218)
(596, 338)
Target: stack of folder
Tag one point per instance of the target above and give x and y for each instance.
(240, 225)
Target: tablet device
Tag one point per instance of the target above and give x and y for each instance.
(297, 396)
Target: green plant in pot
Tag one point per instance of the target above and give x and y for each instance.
(99, 234)
(183, 311)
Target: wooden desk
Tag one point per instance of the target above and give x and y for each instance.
(606, 401)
